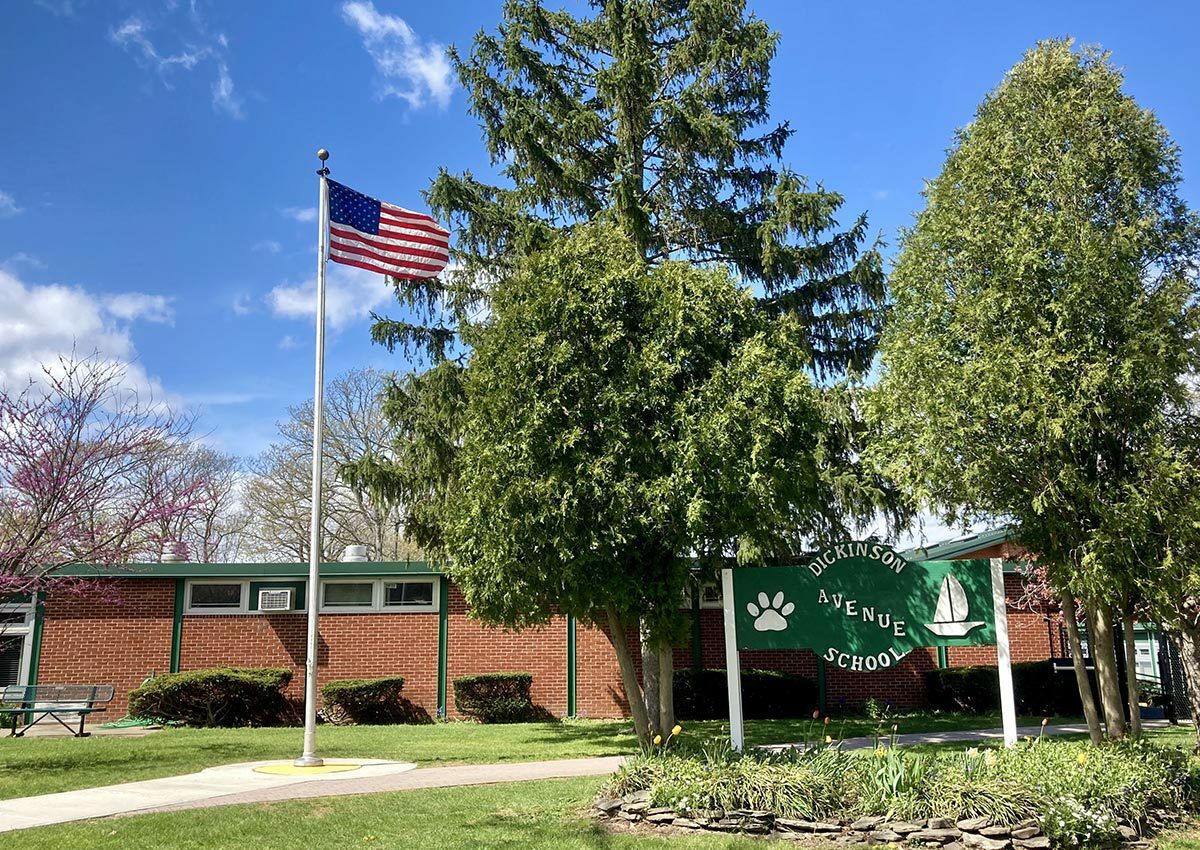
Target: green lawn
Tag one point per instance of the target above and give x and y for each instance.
(31, 766)
(528, 815)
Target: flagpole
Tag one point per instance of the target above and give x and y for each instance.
(309, 757)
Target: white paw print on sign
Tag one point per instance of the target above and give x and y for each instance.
(769, 613)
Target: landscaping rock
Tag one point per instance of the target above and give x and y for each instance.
(995, 831)
(973, 824)
(629, 816)
(885, 836)
(1028, 822)
(822, 826)
(661, 818)
(638, 808)
(939, 823)
(686, 823)
(902, 827)
(982, 842)
(660, 810)
(608, 805)
(954, 845)
(642, 796)
(1128, 833)
(1039, 842)
(1026, 831)
(937, 835)
(793, 825)
(867, 824)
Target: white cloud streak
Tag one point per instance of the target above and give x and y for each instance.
(350, 295)
(302, 214)
(132, 306)
(199, 47)
(8, 205)
(413, 70)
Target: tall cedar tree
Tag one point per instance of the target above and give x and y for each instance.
(653, 114)
(1045, 315)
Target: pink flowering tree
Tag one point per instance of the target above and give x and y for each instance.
(74, 443)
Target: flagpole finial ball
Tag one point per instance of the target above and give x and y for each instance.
(322, 154)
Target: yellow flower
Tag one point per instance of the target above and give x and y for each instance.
(676, 729)
(880, 752)
(989, 758)
(828, 739)
(658, 739)
(973, 752)
(1082, 758)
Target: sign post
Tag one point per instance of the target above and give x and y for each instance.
(863, 607)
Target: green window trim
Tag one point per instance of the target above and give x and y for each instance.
(443, 643)
(571, 672)
(177, 624)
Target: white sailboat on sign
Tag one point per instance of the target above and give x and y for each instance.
(950, 616)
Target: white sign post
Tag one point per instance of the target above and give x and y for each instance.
(733, 672)
(1008, 702)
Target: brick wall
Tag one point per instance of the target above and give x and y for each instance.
(597, 675)
(118, 640)
(476, 648)
(351, 646)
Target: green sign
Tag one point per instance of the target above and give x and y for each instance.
(863, 607)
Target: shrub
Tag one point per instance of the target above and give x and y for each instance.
(369, 701)
(495, 697)
(766, 694)
(221, 696)
(1039, 688)
(1080, 794)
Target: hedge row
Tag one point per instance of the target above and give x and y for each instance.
(495, 697)
(704, 695)
(221, 696)
(370, 701)
(1040, 689)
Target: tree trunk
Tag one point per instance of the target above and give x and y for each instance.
(1189, 656)
(666, 687)
(1131, 679)
(650, 683)
(1104, 654)
(1081, 677)
(629, 678)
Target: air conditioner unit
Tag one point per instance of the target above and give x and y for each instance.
(278, 599)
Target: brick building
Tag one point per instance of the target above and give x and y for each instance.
(407, 619)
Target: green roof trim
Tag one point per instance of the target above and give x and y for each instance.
(949, 549)
(191, 570)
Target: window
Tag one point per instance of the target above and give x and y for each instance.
(414, 593)
(710, 595)
(348, 594)
(225, 597)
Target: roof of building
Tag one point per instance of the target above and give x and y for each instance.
(950, 549)
(194, 570)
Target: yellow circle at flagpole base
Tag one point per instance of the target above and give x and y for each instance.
(293, 770)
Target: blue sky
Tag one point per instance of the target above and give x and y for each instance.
(157, 191)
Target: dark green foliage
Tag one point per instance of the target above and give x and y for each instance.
(370, 701)
(495, 697)
(766, 694)
(1040, 689)
(657, 113)
(219, 696)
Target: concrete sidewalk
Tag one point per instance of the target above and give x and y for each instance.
(152, 794)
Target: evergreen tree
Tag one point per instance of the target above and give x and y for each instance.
(657, 111)
(1045, 315)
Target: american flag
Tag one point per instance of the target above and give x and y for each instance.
(382, 237)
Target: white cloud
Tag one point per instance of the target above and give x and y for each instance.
(413, 70)
(305, 214)
(8, 205)
(197, 46)
(287, 343)
(22, 259)
(132, 306)
(350, 295)
(267, 246)
(243, 304)
(42, 323)
(59, 8)
(224, 98)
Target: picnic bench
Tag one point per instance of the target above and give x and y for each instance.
(23, 702)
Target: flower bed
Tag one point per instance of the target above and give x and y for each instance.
(1036, 795)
